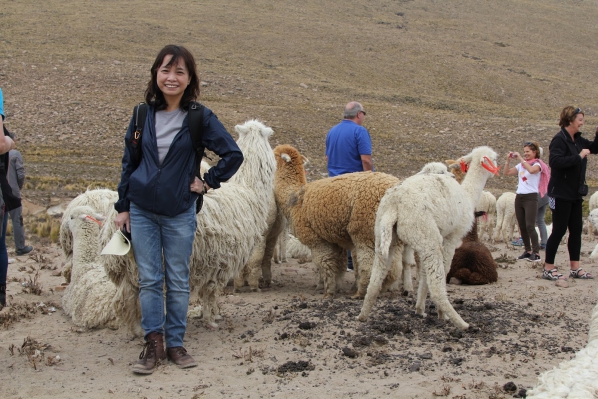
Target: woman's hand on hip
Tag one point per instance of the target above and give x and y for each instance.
(122, 221)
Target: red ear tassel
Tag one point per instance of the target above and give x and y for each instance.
(463, 166)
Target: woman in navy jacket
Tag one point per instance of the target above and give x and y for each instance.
(157, 197)
(566, 189)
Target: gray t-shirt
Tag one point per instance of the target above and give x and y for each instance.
(168, 124)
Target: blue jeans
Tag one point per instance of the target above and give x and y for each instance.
(156, 237)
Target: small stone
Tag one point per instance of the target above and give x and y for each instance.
(349, 352)
(561, 283)
(510, 387)
(455, 281)
(415, 366)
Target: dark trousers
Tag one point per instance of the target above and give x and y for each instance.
(526, 209)
(565, 215)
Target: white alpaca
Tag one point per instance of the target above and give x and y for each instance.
(576, 378)
(101, 201)
(88, 297)
(487, 203)
(591, 228)
(505, 218)
(593, 221)
(229, 226)
(428, 214)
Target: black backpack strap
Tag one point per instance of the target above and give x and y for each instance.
(139, 116)
(196, 128)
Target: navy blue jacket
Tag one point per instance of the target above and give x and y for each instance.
(567, 169)
(164, 189)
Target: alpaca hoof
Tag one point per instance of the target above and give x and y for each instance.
(362, 317)
(255, 289)
(217, 317)
(210, 325)
(357, 295)
(328, 296)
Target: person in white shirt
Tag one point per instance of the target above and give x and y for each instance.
(526, 201)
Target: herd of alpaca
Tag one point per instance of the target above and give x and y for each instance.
(269, 211)
(325, 218)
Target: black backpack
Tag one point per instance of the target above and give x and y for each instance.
(196, 129)
(11, 201)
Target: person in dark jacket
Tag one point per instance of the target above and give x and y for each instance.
(157, 201)
(566, 189)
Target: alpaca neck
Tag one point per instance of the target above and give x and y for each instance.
(86, 244)
(473, 233)
(287, 185)
(257, 170)
(473, 184)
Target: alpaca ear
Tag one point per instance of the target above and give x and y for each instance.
(305, 160)
(286, 157)
(467, 158)
(241, 129)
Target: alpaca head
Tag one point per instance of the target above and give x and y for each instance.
(437, 168)
(455, 169)
(82, 215)
(481, 159)
(253, 125)
(290, 160)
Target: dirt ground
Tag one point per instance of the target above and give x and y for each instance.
(436, 78)
(286, 341)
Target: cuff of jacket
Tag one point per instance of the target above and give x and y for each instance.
(122, 205)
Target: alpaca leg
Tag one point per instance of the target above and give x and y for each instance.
(209, 304)
(365, 259)
(395, 271)
(393, 280)
(328, 257)
(448, 251)
(498, 229)
(408, 261)
(380, 269)
(433, 265)
(422, 291)
(277, 230)
(240, 279)
(254, 265)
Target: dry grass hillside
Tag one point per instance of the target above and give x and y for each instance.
(437, 78)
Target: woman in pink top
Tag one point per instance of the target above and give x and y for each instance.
(526, 201)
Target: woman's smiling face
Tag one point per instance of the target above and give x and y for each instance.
(172, 79)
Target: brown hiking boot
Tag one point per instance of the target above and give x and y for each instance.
(180, 357)
(152, 353)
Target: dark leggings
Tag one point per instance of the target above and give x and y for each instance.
(526, 209)
(565, 215)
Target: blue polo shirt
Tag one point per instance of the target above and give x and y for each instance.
(345, 144)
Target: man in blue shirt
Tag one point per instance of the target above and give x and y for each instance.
(348, 144)
(349, 148)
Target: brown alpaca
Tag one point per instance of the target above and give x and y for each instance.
(473, 263)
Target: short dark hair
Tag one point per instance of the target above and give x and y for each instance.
(568, 115)
(153, 94)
